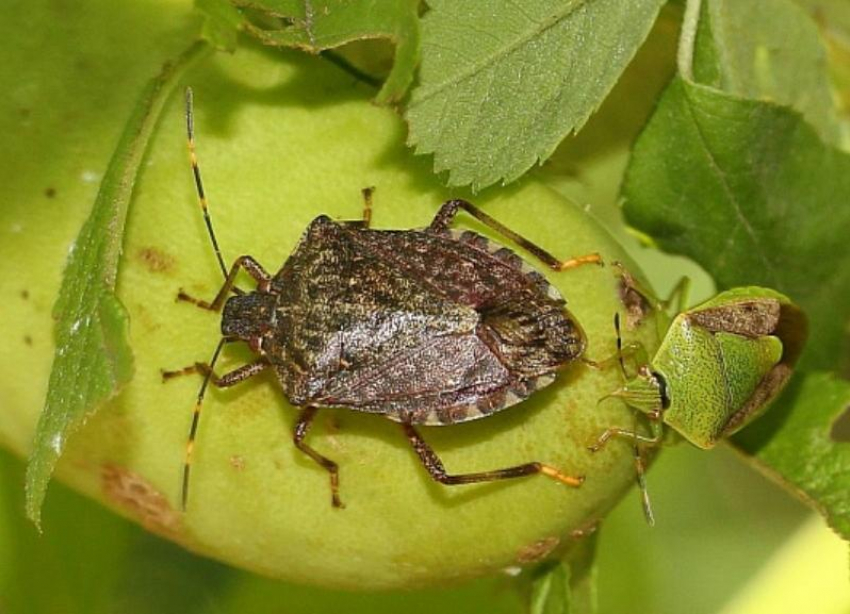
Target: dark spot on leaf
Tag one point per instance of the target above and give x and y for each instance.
(136, 495)
(28, 340)
(155, 260)
(537, 551)
(25, 294)
(840, 431)
(50, 192)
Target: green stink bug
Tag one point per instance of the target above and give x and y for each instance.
(718, 367)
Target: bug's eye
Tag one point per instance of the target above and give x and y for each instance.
(662, 389)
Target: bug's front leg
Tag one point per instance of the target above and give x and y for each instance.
(250, 266)
(655, 425)
(437, 471)
(305, 419)
(450, 208)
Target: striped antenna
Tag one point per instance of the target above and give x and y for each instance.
(199, 184)
(193, 430)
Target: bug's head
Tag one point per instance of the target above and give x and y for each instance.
(249, 317)
(646, 391)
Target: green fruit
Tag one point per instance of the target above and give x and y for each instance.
(281, 139)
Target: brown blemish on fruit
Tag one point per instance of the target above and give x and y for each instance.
(585, 530)
(537, 551)
(50, 192)
(237, 462)
(155, 260)
(136, 495)
(28, 340)
(25, 294)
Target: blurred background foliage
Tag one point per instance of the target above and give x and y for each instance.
(719, 521)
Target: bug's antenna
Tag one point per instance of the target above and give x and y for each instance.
(620, 346)
(196, 171)
(196, 417)
(640, 467)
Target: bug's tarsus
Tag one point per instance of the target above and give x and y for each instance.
(437, 471)
(305, 419)
(450, 208)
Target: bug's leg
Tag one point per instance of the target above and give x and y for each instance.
(634, 348)
(224, 381)
(449, 209)
(228, 379)
(251, 266)
(435, 466)
(366, 220)
(653, 440)
(305, 419)
(640, 471)
(681, 292)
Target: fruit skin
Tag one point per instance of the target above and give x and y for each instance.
(281, 139)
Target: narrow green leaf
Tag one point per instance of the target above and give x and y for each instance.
(768, 50)
(325, 24)
(797, 448)
(502, 83)
(567, 586)
(749, 191)
(93, 359)
(550, 592)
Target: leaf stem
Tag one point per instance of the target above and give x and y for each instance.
(687, 39)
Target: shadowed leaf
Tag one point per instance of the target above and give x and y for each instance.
(795, 445)
(325, 24)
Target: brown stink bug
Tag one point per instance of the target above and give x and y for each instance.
(426, 327)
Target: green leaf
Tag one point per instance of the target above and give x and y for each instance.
(767, 50)
(796, 446)
(93, 359)
(502, 83)
(567, 586)
(749, 191)
(325, 24)
(221, 24)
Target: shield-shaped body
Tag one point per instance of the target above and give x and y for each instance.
(723, 361)
(422, 326)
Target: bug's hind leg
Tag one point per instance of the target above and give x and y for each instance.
(450, 208)
(435, 466)
(305, 419)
